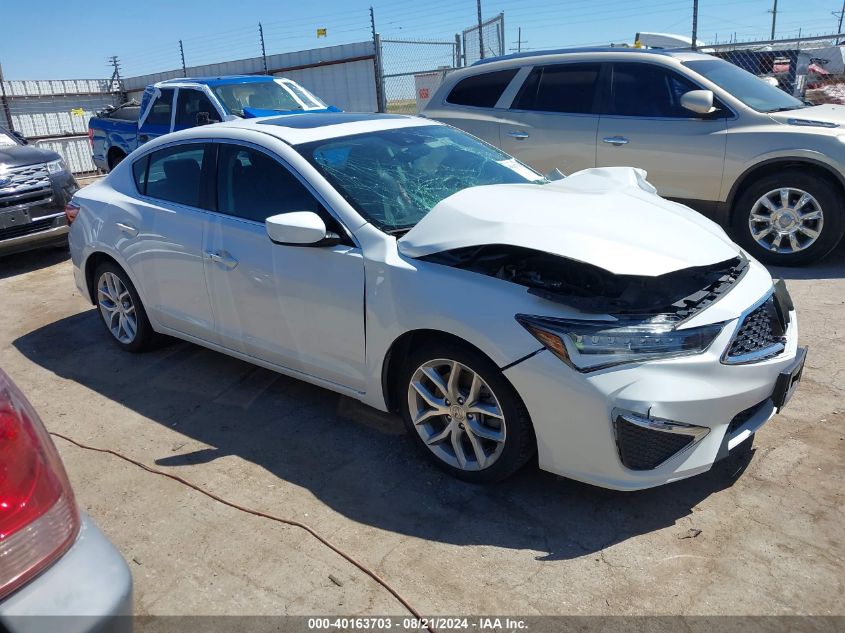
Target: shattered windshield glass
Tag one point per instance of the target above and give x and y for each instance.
(395, 177)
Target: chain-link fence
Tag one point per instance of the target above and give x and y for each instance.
(484, 40)
(412, 69)
(810, 68)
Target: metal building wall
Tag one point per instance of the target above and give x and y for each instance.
(342, 75)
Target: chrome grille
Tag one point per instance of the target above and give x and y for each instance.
(760, 336)
(21, 179)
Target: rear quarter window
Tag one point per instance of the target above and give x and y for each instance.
(481, 91)
(139, 173)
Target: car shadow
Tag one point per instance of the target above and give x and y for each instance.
(30, 261)
(831, 267)
(356, 461)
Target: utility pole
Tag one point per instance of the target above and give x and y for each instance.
(182, 53)
(839, 26)
(263, 50)
(518, 41)
(694, 24)
(774, 13)
(116, 82)
(480, 30)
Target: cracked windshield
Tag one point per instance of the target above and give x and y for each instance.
(395, 177)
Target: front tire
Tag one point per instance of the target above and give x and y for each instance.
(789, 218)
(121, 310)
(463, 414)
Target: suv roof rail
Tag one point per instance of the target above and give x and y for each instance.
(559, 51)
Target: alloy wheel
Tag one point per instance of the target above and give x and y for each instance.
(786, 220)
(117, 308)
(456, 414)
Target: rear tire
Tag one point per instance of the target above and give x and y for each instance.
(470, 421)
(121, 310)
(115, 158)
(789, 218)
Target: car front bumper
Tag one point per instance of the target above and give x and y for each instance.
(87, 590)
(41, 232)
(574, 413)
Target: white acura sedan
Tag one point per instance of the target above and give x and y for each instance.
(623, 338)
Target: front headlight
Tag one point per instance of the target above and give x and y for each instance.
(56, 166)
(591, 345)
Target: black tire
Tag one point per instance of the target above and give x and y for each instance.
(519, 440)
(144, 334)
(826, 193)
(115, 158)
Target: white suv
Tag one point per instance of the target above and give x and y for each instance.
(709, 134)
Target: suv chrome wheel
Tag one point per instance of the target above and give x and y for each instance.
(456, 414)
(786, 220)
(116, 307)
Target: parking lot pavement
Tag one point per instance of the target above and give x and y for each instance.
(770, 521)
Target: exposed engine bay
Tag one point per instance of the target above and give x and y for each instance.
(592, 289)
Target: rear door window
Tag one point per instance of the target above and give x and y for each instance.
(566, 88)
(174, 173)
(482, 91)
(162, 108)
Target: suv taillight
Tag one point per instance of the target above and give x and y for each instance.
(38, 515)
(91, 136)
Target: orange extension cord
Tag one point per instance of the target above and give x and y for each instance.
(257, 513)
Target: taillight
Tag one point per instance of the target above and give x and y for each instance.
(71, 211)
(38, 515)
(91, 136)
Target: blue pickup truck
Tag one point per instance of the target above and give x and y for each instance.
(177, 104)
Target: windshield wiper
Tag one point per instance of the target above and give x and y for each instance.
(786, 109)
(401, 230)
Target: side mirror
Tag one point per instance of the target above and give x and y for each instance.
(21, 137)
(555, 174)
(299, 228)
(698, 101)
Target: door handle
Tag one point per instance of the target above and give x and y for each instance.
(616, 140)
(519, 135)
(130, 230)
(224, 259)
(143, 138)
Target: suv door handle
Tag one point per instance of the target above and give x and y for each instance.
(223, 259)
(130, 230)
(519, 135)
(615, 140)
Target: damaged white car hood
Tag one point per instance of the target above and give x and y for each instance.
(608, 217)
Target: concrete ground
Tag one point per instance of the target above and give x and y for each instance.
(770, 541)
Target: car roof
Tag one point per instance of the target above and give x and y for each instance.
(295, 129)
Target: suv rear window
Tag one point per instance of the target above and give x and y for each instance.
(482, 91)
(569, 88)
